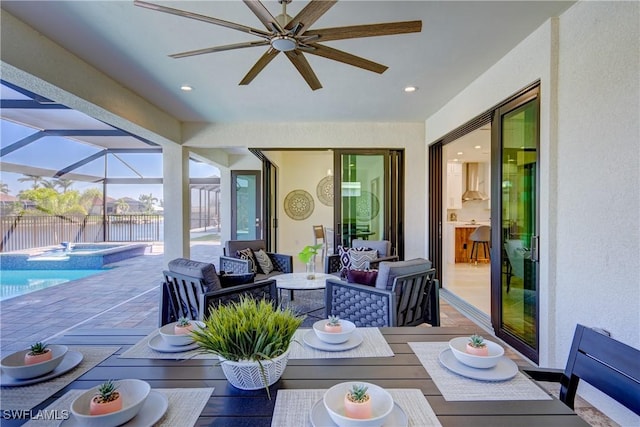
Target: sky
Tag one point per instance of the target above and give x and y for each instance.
(57, 152)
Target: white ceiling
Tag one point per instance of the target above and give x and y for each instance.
(458, 42)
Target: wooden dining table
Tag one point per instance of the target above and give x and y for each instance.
(228, 406)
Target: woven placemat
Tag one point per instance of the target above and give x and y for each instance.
(373, 345)
(27, 397)
(185, 406)
(456, 387)
(293, 406)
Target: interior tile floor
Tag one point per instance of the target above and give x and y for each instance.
(471, 283)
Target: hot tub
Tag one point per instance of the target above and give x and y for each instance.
(76, 256)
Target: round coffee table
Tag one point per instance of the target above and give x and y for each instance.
(299, 282)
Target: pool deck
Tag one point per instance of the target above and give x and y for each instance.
(126, 296)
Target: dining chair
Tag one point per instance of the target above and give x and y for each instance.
(319, 237)
(605, 363)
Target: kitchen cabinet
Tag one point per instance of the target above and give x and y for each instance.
(463, 245)
(454, 185)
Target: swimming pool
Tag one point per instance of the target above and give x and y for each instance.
(14, 283)
(79, 256)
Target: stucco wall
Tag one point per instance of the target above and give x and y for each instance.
(588, 65)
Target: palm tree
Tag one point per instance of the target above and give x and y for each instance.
(147, 200)
(49, 184)
(63, 183)
(4, 188)
(35, 178)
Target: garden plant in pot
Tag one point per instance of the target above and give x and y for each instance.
(307, 256)
(251, 338)
(38, 353)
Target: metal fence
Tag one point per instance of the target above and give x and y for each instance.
(24, 232)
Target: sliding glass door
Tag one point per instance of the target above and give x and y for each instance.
(369, 205)
(515, 272)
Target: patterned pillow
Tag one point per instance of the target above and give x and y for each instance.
(361, 257)
(345, 260)
(248, 255)
(263, 261)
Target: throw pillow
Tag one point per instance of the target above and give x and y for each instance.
(345, 260)
(247, 254)
(361, 257)
(263, 261)
(362, 277)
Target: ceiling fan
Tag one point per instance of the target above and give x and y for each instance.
(293, 37)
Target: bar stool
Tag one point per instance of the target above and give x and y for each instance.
(481, 236)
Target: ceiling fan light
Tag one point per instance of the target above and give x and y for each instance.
(284, 43)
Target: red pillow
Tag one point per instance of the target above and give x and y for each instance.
(362, 277)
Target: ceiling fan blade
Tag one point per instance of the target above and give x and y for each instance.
(310, 14)
(259, 66)
(371, 30)
(263, 15)
(219, 48)
(346, 58)
(302, 65)
(202, 18)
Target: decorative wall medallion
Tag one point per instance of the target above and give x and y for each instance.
(324, 191)
(298, 205)
(367, 206)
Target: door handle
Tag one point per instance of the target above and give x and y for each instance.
(535, 248)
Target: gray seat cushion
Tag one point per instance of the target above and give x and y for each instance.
(382, 246)
(201, 270)
(388, 271)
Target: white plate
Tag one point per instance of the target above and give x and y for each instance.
(158, 344)
(311, 339)
(320, 417)
(152, 410)
(70, 361)
(504, 370)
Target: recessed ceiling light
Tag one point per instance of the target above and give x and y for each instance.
(460, 153)
(477, 147)
(455, 160)
(186, 88)
(410, 89)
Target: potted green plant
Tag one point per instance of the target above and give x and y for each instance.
(307, 256)
(251, 338)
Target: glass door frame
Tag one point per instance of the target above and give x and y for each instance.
(498, 255)
(392, 205)
(258, 203)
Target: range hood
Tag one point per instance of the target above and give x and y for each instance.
(473, 184)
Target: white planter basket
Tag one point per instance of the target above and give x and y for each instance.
(248, 375)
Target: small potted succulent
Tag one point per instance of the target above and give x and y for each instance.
(307, 256)
(357, 402)
(183, 326)
(107, 400)
(477, 346)
(333, 325)
(39, 353)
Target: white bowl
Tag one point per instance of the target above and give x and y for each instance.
(458, 348)
(381, 405)
(168, 334)
(13, 364)
(334, 337)
(133, 393)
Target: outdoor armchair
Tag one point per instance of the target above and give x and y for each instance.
(410, 300)
(230, 263)
(333, 263)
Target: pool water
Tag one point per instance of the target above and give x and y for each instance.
(14, 283)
